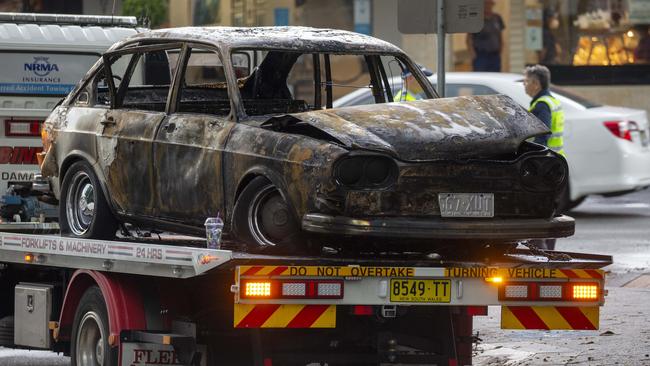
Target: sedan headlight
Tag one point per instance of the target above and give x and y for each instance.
(546, 173)
(365, 171)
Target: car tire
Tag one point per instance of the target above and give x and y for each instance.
(83, 210)
(90, 331)
(263, 220)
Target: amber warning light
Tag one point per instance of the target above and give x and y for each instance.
(292, 289)
(585, 292)
(257, 289)
(549, 291)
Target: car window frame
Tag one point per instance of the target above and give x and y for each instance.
(428, 89)
(89, 78)
(140, 49)
(179, 75)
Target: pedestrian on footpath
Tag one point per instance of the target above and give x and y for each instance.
(537, 80)
(485, 46)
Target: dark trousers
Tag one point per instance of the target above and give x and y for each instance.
(487, 61)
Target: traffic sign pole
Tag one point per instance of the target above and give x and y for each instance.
(441, 47)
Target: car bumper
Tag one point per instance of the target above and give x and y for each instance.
(421, 228)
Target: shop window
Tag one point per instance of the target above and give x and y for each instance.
(590, 41)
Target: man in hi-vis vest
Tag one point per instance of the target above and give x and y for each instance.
(411, 88)
(548, 109)
(544, 106)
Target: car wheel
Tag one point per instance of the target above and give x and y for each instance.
(89, 343)
(263, 219)
(83, 210)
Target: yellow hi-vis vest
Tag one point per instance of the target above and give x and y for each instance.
(401, 96)
(556, 141)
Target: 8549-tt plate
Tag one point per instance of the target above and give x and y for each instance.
(434, 290)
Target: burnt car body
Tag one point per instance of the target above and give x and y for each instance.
(173, 126)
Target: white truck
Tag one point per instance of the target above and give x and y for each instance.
(43, 57)
(171, 301)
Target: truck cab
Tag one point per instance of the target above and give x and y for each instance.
(44, 56)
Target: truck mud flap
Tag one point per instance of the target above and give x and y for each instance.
(144, 348)
(284, 316)
(550, 317)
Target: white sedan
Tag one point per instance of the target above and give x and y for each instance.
(606, 146)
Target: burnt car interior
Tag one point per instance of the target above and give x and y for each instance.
(270, 82)
(291, 82)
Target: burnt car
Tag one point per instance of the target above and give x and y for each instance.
(173, 126)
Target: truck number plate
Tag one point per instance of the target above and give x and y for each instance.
(420, 290)
(466, 204)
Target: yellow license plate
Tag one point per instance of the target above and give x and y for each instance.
(420, 290)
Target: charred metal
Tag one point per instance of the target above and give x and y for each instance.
(240, 144)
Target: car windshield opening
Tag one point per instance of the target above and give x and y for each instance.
(278, 82)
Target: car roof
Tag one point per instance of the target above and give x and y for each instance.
(285, 38)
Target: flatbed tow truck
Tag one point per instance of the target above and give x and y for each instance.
(171, 302)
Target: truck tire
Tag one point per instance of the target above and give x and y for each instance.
(264, 221)
(89, 343)
(83, 210)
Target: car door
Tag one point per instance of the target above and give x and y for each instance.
(139, 80)
(189, 146)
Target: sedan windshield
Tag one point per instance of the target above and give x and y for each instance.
(288, 82)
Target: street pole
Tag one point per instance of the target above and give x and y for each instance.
(441, 47)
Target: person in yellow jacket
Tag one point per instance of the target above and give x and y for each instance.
(547, 108)
(411, 88)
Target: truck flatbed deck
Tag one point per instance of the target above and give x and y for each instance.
(173, 259)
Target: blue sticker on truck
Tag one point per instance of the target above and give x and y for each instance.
(34, 88)
(43, 73)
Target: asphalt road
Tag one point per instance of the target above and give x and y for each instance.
(618, 226)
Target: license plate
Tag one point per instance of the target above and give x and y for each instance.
(466, 204)
(420, 290)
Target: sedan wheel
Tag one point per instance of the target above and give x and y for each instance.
(83, 211)
(269, 218)
(80, 204)
(264, 220)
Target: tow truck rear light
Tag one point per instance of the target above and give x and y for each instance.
(622, 129)
(292, 289)
(22, 128)
(257, 289)
(330, 289)
(585, 292)
(515, 292)
(550, 291)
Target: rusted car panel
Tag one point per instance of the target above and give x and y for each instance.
(449, 128)
(293, 169)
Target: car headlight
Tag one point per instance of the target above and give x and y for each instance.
(546, 173)
(365, 171)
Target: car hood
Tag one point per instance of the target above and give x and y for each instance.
(446, 128)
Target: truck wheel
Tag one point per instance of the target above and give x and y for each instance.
(83, 210)
(89, 344)
(263, 219)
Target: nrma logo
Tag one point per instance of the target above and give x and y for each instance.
(41, 66)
